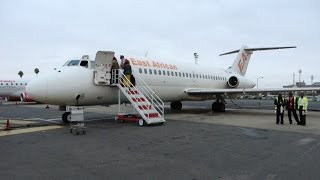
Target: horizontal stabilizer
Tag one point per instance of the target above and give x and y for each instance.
(258, 49)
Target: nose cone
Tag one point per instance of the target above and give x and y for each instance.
(37, 89)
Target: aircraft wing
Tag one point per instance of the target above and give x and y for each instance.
(204, 91)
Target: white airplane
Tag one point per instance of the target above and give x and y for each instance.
(14, 90)
(84, 82)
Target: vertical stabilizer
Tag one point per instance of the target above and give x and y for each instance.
(241, 62)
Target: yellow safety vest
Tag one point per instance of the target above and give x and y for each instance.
(303, 102)
(276, 100)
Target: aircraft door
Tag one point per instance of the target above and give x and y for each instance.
(102, 70)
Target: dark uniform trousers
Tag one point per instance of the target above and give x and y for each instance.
(294, 112)
(279, 115)
(302, 117)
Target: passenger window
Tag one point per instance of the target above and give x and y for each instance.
(172, 73)
(16, 84)
(145, 71)
(155, 72)
(168, 72)
(182, 74)
(140, 70)
(186, 74)
(159, 72)
(176, 73)
(150, 71)
(197, 75)
(164, 72)
(21, 84)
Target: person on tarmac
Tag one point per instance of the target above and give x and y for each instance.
(279, 103)
(292, 106)
(303, 106)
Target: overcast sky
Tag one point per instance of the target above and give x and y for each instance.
(46, 33)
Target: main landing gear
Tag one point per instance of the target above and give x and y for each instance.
(176, 105)
(218, 107)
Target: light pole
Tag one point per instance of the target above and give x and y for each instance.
(258, 81)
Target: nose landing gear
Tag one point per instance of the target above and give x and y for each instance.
(66, 117)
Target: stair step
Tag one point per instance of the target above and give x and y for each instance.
(145, 107)
(138, 99)
(152, 115)
(132, 92)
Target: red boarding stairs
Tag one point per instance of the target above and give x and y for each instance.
(145, 101)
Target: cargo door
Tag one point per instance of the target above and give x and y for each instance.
(102, 70)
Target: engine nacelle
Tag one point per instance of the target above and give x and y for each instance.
(25, 98)
(233, 81)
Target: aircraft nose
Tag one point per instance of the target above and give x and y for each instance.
(37, 89)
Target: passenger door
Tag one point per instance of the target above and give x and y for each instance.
(102, 70)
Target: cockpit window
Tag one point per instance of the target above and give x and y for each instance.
(72, 63)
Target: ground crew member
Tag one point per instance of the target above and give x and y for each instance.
(292, 106)
(279, 103)
(303, 106)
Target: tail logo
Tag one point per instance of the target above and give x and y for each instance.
(242, 62)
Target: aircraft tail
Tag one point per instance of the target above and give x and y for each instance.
(241, 62)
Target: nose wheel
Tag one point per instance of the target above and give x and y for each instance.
(66, 117)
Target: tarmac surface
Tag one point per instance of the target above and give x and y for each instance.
(195, 143)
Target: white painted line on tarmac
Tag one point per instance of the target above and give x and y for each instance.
(28, 130)
(20, 122)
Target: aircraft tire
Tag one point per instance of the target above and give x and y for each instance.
(176, 105)
(222, 107)
(218, 107)
(66, 117)
(215, 106)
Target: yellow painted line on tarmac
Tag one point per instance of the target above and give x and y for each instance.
(20, 122)
(27, 130)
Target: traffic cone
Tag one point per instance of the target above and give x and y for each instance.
(7, 126)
